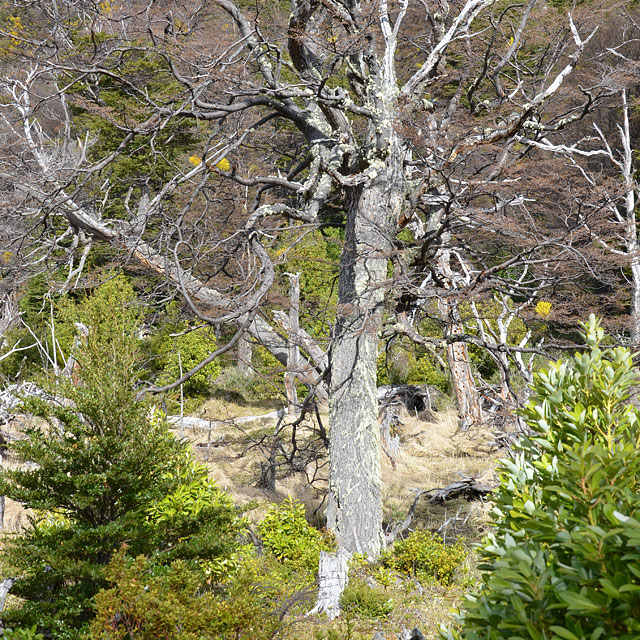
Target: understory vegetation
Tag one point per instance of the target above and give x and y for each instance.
(128, 537)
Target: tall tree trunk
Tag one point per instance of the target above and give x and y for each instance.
(626, 164)
(245, 355)
(292, 372)
(635, 299)
(355, 493)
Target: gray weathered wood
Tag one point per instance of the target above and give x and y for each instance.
(5, 587)
(333, 576)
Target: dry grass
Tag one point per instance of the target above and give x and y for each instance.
(432, 454)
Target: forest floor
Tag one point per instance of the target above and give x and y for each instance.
(432, 454)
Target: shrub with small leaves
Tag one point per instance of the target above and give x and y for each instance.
(424, 555)
(146, 601)
(288, 536)
(360, 599)
(180, 353)
(563, 561)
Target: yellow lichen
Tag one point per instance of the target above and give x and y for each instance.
(223, 165)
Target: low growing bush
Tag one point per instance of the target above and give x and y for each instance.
(145, 601)
(287, 535)
(563, 561)
(424, 555)
(27, 633)
(359, 599)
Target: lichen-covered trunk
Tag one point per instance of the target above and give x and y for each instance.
(354, 511)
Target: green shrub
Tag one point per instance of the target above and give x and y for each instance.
(33, 307)
(197, 522)
(29, 633)
(564, 558)
(185, 352)
(146, 602)
(263, 384)
(402, 363)
(315, 257)
(424, 555)
(423, 369)
(111, 311)
(268, 381)
(111, 308)
(287, 535)
(359, 599)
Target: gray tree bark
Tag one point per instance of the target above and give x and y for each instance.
(5, 587)
(469, 409)
(333, 576)
(245, 355)
(293, 360)
(355, 492)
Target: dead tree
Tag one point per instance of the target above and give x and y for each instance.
(607, 210)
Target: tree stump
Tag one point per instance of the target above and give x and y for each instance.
(333, 576)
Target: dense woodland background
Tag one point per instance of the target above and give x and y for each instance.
(276, 243)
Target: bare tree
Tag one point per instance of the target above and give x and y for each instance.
(609, 213)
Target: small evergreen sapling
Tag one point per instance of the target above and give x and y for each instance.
(563, 561)
(101, 470)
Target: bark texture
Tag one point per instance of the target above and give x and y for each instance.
(333, 576)
(355, 491)
(469, 409)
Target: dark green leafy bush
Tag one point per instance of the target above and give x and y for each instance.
(564, 558)
(424, 555)
(111, 311)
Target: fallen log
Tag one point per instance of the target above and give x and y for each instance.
(414, 398)
(205, 423)
(467, 487)
(470, 488)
